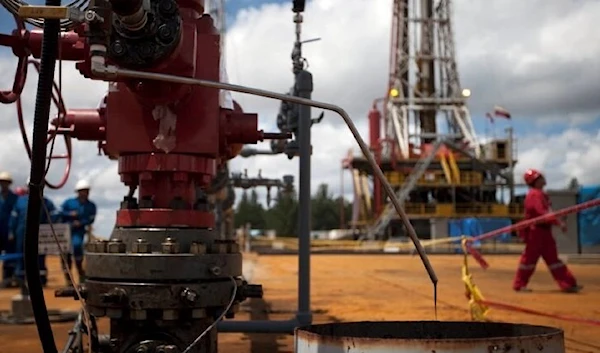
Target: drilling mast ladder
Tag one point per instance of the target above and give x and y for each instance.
(389, 212)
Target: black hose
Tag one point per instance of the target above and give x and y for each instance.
(36, 191)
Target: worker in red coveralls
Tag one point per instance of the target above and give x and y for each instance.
(539, 240)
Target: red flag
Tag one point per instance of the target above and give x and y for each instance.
(501, 112)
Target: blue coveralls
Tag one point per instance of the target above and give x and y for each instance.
(17, 226)
(86, 214)
(6, 206)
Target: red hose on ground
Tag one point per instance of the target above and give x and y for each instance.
(509, 307)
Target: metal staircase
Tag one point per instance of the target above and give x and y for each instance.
(388, 213)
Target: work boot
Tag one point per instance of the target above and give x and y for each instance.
(523, 290)
(573, 289)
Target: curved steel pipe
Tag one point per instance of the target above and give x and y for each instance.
(118, 72)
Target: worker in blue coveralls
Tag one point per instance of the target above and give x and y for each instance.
(80, 212)
(7, 245)
(17, 223)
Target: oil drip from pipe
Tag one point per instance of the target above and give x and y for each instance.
(435, 292)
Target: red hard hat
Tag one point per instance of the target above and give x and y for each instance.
(531, 175)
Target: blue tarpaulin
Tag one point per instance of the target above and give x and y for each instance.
(6, 257)
(473, 227)
(492, 224)
(589, 220)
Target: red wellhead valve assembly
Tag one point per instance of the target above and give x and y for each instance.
(165, 276)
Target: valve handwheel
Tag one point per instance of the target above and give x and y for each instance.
(8, 97)
(59, 103)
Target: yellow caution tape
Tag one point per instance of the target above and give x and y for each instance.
(478, 310)
(325, 244)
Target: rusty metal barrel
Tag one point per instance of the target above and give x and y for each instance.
(428, 337)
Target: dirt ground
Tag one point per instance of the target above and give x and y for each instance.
(370, 287)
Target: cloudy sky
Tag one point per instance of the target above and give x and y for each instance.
(537, 58)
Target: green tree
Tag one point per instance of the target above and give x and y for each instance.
(249, 210)
(283, 216)
(242, 211)
(347, 209)
(257, 212)
(325, 211)
(573, 184)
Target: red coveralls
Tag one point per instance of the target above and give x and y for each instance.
(540, 242)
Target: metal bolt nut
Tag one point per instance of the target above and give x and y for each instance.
(92, 16)
(118, 48)
(141, 246)
(116, 246)
(218, 248)
(146, 50)
(189, 296)
(170, 349)
(138, 314)
(215, 270)
(102, 247)
(170, 246)
(170, 314)
(92, 246)
(165, 33)
(198, 248)
(167, 7)
(141, 349)
(199, 313)
(113, 343)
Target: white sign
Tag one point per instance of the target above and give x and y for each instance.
(48, 236)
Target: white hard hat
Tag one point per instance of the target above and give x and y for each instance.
(6, 176)
(82, 185)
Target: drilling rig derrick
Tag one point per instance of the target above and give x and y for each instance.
(429, 148)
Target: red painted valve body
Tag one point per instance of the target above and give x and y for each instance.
(205, 134)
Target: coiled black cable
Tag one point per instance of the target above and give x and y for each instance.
(36, 191)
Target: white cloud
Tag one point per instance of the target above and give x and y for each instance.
(525, 55)
(574, 153)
